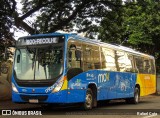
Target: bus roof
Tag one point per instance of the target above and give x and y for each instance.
(92, 41)
(118, 47)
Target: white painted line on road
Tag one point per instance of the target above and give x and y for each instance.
(149, 116)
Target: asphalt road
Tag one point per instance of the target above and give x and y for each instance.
(149, 107)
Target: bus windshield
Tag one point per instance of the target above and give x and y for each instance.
(38, 63)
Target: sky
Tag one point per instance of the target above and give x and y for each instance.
(20, 33)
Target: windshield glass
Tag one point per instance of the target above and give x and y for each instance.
(38, 63)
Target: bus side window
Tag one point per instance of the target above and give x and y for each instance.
(96, 57)
(147, 66)
(152, 66)
(108, 59)
(121, 61)
(74, 59)
(139, 64)
(87, 64)
(74, 54)
(129, 63)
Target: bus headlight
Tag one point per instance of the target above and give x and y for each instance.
(58, 87)
(14, 88)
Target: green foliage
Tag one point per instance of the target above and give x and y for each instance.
(142, 21)
(135, 23)
(6, 37)
(65, 14)
(111, 29)
(51, 15)
(138, 23)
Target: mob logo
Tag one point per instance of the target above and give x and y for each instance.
(103, 77)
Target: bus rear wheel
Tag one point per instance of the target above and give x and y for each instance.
(88, 104)
(136, 98)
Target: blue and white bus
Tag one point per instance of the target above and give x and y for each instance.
(67, 68)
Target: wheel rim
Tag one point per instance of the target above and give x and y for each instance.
(136, 97)
(88, 100)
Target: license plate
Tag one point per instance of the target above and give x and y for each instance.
(33, 100)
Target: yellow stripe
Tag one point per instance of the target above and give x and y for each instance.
(65, 83)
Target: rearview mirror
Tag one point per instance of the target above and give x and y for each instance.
(18, 58)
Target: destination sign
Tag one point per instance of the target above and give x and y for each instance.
(40, 40)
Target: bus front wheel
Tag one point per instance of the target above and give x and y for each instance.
(88, 104)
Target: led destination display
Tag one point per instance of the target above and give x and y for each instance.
(40, 40)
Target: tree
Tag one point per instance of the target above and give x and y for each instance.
(143, 24)
(111, 29)
(53, 15)
(6, 37)
(50, 16)
(65, 14)
(138, 28)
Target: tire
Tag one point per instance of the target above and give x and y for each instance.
(88, 104)
(136, 98)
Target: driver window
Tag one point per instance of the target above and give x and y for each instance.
(74, 54)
